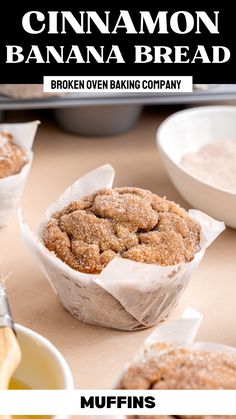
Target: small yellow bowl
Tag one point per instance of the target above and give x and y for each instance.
(42, 366)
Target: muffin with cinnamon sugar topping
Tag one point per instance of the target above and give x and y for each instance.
(180, 368)
(12, 157)
(126, 222)
(163, 366)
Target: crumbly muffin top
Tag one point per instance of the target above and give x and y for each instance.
(181, 368)
(12, 157)
(129, 222)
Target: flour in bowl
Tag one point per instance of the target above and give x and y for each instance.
(214, 164)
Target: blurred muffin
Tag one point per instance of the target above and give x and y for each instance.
(180, 368)
(25, 91)
(12, 157)
(127, 222)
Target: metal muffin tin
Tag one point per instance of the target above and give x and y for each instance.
(107, 114)
(98, 120)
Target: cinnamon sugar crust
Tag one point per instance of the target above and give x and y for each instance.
(181, 368)
(129, 222)
(12, 157)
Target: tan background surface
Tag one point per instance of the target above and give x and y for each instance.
(96, 355)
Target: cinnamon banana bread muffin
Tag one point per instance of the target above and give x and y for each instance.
(12, 157)
(127, 222)
(180, 368)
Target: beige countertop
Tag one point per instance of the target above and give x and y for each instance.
(96, 355)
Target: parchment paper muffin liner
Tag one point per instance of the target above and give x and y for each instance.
(11, 187)
(173, 334)
(126, 295)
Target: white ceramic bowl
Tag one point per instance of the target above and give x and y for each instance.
(42, 366)
(187, 131)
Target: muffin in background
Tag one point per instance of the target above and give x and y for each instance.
(16, 157)
(25, 91)
(12, 157)
(180, 368)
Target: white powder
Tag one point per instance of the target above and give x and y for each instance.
(214, 164)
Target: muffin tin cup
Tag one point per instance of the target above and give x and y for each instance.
(174, 334)
(126, 295)
(98, 120)
(11, 187)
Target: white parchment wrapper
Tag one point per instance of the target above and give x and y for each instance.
(172, 334)
(126, 295)
(11, 187)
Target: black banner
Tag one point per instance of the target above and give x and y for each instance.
(148, 38)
